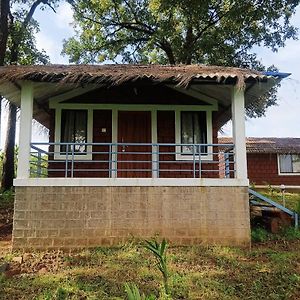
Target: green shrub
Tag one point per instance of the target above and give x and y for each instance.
(7, 199)
(259, 234)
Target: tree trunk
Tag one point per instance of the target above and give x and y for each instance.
(8, 173)
(4, 12)
(9, 149)
(165, 46)
(188, 47)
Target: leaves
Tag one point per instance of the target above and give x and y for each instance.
(181, 32)
(159, 251)
(133, 292)
(214, 32)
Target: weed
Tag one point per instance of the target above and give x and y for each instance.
(159, 250)
(2, 278)
(133, 293)
(290, 233)
(61, 294)
(259, 235)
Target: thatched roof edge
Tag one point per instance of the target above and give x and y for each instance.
(180, 75)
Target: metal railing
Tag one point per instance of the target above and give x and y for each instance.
(263, 198)
(149, 160)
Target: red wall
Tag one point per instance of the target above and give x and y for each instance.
(166, 134)
(263, 170)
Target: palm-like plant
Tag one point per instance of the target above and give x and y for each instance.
(159, 250)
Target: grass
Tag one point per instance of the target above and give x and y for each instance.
(292, 199)
(270, 270)
(259, 234)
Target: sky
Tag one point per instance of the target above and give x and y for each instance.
(282, 120)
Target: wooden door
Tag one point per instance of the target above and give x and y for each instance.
(134, 127)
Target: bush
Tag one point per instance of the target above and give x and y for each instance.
(7, 200)
(259, 234)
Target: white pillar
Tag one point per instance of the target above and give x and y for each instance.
(155, 165)
(238, 129)
(25, 130)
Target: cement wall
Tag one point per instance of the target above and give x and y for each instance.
(75, 217)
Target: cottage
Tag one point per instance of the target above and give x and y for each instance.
(272, 161)
(132, 151)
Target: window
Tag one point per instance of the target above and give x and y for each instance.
(74, 130)
(289, 163)
(193, 131)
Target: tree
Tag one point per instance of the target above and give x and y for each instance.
(4, 12)
(218, 32)
(20, 49)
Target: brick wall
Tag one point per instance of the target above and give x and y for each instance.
(263, 169)
(74, 217)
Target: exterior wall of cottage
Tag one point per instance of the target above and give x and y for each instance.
(263, 170)
(165, 128)
(75, 217)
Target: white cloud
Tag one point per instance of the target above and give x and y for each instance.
(54, 28)
(64, 16)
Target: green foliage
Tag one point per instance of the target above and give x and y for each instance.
(181, 32)
(133, 293)
(291, 199)
(16, 150)
(266, 271)
(291, 233)
(2, 278)
(259, 234)
(61, 294)
(159, 250)
(38, 165)
(213, 32)
(21, 44)
(7, 199)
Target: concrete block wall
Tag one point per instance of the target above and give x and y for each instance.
(76, 217)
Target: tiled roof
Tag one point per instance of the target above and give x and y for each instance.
(268, 144)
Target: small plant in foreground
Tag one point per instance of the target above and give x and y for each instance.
(133, 293)
(159, 250)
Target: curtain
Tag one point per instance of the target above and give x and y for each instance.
(296, 163)
(193, 131)
(187, 132)
(286, 164)
(74, 129)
